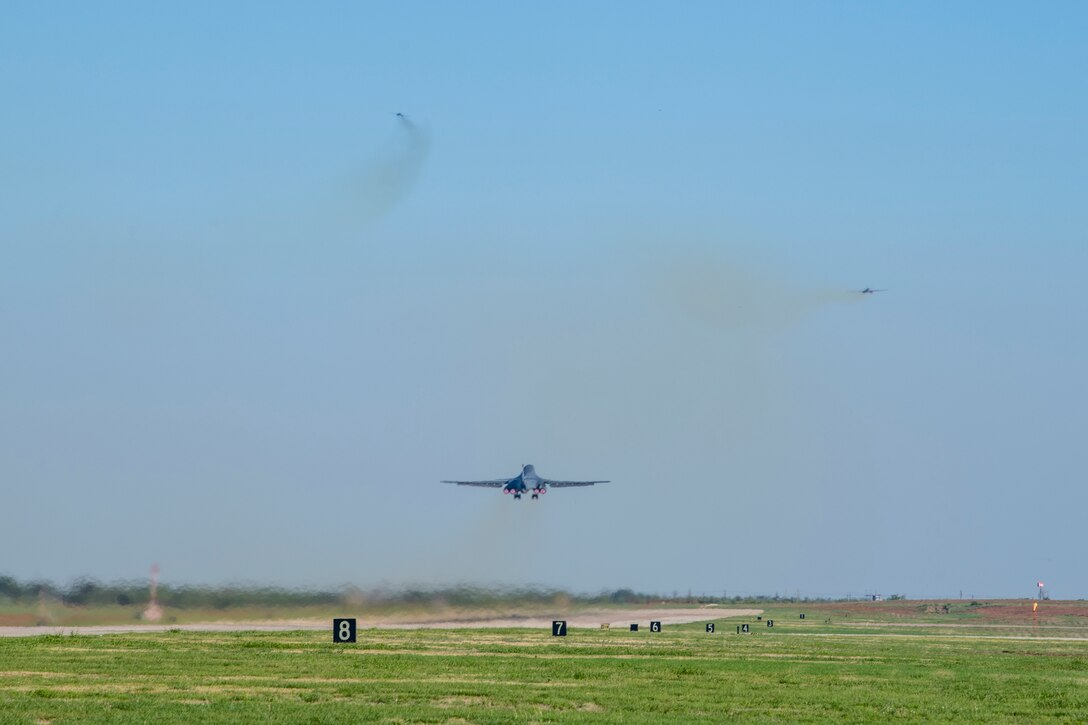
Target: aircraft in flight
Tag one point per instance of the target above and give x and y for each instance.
(525, 482)
(869, 291)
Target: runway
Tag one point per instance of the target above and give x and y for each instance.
(614, 617)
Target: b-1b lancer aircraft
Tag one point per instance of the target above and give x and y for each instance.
(525, 482)
(869, 291)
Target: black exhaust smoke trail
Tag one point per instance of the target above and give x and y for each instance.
(491, 546)
(740, 299)
(391, 175)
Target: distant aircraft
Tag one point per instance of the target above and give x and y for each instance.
(524, 482)
(400, 115)
(870, 290)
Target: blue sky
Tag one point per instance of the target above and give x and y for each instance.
(249, 317)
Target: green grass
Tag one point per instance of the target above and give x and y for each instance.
(502, 676)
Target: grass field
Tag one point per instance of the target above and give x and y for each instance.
(864, 665)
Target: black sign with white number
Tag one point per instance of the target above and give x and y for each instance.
(710, 627)
(655, 626)
(744, 628)
(343, 630)
(634, 627)
(770, 622)
(559, 628)
(802, 615)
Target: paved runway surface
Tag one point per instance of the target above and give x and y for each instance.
(586, 618)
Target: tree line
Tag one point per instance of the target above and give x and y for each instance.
(86, 591)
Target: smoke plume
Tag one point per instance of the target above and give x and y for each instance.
(390, 175)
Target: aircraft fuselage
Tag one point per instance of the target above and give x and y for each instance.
(525, 482)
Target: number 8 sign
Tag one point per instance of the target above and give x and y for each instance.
(343, 630)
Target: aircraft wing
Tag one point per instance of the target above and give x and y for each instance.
(569, 484)
(495, 483)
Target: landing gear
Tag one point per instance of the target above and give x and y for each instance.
(535, 497)
(517, 496)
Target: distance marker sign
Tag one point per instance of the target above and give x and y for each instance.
(655, 626)
(343, 630)
(710, 627)
(559, 628)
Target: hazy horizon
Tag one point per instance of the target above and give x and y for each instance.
(250, 316)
